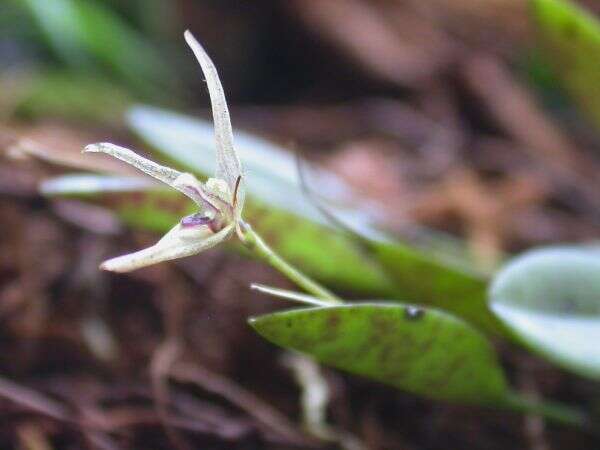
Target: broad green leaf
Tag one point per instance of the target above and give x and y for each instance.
(70, 96)
(291, 222)
(420, 350)
(570, 38)
(550, 298)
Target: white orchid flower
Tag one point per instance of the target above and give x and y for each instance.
(220, 200)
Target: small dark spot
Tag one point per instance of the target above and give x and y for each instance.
(413, 312)
(333, 320)
(288, 323)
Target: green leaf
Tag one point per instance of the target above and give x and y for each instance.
(71, 96)
(423, 351)
(87, 35)
(428, 278)
(550, 298)
(570, 38)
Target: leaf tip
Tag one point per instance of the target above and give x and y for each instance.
(253, 321)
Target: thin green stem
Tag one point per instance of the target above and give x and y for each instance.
(258, 246)
(556, 412)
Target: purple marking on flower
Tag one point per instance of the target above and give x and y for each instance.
(202, 199)
(195, 220)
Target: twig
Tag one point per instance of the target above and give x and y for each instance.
(243, 399)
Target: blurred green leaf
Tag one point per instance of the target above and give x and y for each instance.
(70, 96)
(58, 19)
(90, 37)
(423, 351)
(550, 298)
(570, 38)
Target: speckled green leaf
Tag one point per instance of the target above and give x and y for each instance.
(570, 39)
(423, 351)
(427, 278)
(550, 298)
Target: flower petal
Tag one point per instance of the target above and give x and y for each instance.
(185, 183)
(229, 167)
(190, 186)
(179, 242)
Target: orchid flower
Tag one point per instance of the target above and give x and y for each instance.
(220, 200)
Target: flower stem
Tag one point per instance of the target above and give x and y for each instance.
(258, 246)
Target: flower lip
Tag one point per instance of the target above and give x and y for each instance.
(194, 220)
(199, 219)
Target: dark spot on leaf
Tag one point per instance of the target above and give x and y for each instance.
(413, 312)
(382, 327)
(333, 320)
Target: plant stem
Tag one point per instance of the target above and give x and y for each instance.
(256, 245)
(556, 412)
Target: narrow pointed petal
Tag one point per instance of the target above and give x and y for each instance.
(289, 295)
(229, 167)
(177, 243)
(184, 182)
(162, 173)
